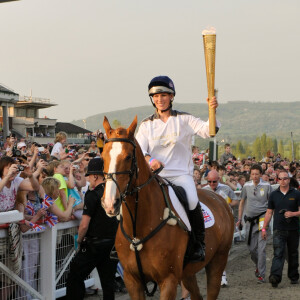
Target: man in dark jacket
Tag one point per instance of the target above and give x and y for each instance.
(96, 237)
(285, 204)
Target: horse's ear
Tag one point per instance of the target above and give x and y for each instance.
(132, 127)
(107, 127)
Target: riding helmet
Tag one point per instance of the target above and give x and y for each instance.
(161, 84)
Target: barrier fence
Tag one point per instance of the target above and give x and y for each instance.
(45, 261)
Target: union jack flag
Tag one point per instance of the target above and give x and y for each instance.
(29, 208)
(48, 201)
(206, 216)
(36, 227)
(50, 219)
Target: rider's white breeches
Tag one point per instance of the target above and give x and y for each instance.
(187, 182)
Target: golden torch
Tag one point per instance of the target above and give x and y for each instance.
(209, 41)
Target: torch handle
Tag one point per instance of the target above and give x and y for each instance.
(212, 121)
(209, 42)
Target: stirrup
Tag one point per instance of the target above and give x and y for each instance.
(113, 254)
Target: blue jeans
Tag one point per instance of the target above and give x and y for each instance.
(281, 239)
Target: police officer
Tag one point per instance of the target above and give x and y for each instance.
(96, 237)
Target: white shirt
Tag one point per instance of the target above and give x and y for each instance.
(57, 148)
(8, 195)
(170, 142)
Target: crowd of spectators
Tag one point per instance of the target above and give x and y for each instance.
(47, 183)
(235, 172)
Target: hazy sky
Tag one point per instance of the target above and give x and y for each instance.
(92, 56)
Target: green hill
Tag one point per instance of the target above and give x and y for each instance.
(240, 120)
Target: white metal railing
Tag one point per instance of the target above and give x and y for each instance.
(45, 264)
(34, 99)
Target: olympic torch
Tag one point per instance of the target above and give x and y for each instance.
(209, 42)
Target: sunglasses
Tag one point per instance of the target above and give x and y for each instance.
(212, 181)
(254, 191)
(283, 178)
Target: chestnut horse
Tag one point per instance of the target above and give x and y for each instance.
(131, 185)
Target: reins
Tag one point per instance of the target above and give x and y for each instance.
(134, 241)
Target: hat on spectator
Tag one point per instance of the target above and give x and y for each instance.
(95, 167)
(21, 144)
(81, 150)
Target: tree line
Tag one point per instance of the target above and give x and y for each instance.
(262, 145)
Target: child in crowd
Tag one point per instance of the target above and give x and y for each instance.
(77, 194)
(58, 150)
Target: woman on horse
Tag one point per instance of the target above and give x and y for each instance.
(165, 139)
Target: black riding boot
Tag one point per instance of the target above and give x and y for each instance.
(198, 230)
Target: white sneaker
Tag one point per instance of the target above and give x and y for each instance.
(187, 298)
(224, 281)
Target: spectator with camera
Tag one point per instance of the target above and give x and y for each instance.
(11, 183)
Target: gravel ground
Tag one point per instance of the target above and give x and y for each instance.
(241, 279)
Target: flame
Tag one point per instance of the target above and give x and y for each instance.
(209, 30)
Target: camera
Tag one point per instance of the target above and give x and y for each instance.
(21, 168)
(16, 152)
(92, 154)
(41, 149)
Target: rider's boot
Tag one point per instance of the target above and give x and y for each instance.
(198, 229)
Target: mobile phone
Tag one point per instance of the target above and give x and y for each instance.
(43, 156)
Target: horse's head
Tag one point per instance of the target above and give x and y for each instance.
(119, 165)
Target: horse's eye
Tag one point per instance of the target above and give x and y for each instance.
(128, 157)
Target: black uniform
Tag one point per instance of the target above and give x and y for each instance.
(286, 233)
(95, 250)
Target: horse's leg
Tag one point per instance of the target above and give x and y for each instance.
(191, 285)
(134, 287)
(168, 288)
(214, 271)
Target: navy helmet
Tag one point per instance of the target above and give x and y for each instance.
(161, 84)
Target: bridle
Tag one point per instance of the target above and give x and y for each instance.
(132, 172)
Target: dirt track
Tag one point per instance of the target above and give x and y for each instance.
(242, 281)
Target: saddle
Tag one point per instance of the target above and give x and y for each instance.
(180, 194)
(182, 197)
